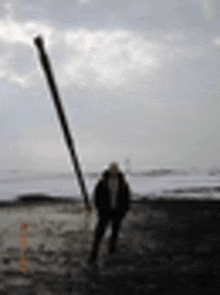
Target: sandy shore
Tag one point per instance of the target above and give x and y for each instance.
(164, 248)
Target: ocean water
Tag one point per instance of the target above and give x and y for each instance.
(16, 182)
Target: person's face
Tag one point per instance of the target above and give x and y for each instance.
(113, 172)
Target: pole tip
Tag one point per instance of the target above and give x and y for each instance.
(38, 41)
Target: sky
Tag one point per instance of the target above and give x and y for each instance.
(138, 80)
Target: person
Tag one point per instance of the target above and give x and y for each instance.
(112, 200)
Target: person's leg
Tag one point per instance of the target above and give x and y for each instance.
(116, 222)
(99, 232)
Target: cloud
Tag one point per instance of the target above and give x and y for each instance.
(139, 76)
(216, 41)
(129, 13)
(118, 58)
(108, 58)
(211, 8)
(83, 2)
(83, 58)
(17, 62)
(175, 36)
(22, 32)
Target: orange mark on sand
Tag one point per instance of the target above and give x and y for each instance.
(24, 227)
(24, 262)
(23, 241)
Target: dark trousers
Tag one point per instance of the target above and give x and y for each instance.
(103, 221)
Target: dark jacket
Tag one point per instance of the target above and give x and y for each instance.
(102, 195)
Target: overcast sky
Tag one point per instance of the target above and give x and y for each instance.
(138, 79)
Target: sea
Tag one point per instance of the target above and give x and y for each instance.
(14, 183)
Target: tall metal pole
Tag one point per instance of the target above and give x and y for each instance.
(38, 41)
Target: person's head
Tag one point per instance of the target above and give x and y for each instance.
(113, 169)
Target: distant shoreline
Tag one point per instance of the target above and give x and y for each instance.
(31, 199)
(43, 199)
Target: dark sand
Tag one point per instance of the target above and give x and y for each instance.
(164, 248)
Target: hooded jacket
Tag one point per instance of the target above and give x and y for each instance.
(102, 195)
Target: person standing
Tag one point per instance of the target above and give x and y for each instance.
(112, 200)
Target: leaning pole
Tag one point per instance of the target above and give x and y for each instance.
(38, 41)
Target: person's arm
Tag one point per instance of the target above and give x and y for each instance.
(125, 205)
(127, 197)
(97, 195)
(99, 203)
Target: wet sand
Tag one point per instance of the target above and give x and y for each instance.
(164, 248)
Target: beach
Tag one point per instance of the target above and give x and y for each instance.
(164, 247)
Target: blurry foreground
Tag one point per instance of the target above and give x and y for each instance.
(164, 248)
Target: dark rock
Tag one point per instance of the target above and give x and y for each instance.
(6, 260)
(33, 198)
